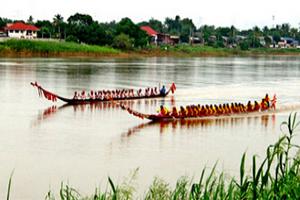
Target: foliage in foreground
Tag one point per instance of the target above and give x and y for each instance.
(275, 177)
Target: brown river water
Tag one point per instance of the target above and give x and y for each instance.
(45, 143)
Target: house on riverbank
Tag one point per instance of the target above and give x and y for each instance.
(288, 42)
(160, 38)
(21, 30)
(151, 33)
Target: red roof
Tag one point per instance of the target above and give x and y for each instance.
(21, 26)
(149, 30)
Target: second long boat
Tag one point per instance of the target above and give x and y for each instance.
(92, 96)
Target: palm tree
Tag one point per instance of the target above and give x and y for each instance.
(232, 35)
(254, 37)
(57, 22)
(294, 32)
(30, 20)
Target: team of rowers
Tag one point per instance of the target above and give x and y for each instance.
(119, 94)
(221, 109)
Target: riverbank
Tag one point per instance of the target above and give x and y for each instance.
(36, 48)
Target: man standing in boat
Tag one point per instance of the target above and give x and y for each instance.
(163, 90)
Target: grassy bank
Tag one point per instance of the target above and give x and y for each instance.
(52, 48)
(194, 51)
(277, 176)
(35, 48)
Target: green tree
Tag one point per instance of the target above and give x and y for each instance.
(110, 32)
(187, 29)
(276, 36)
(127, 27)
(80, 19)
(207, 33)
(266, 31)
(46, 28)
(72, 38)
(30, 20)
(4, 21)
(123, 41)
(293, 32)
(173, 26)
(244, 45)
(58, 23)
(223, 31)
(79, 26)
(96, 34)
(154, 24)
(285, 29)
(82, 28)
(232, 34)
(253, 37)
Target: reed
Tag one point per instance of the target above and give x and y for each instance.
(277, 176)
(9, 186)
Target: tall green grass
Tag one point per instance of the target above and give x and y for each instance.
(275, 51)
(37, 46)
(197, 49)
(218, 51)
(277, 176)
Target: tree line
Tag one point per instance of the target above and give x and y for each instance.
(126, 34)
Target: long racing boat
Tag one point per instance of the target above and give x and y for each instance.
(106, 95)
(208, 111)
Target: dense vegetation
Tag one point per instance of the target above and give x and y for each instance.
(277, 176)
(82, 28)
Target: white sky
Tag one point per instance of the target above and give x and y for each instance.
(240, 13)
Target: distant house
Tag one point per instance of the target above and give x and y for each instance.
(262, 41)
(287, 42)
(174, 39)
(195, 40)
(163, 38)
(151, 33)
(3, 32)
(21, 30)
(160, 38)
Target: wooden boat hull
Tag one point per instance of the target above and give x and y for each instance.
(88, 101)
(159, 117)
(53, 97)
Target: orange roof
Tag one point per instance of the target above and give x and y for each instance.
(21, 26)
(149, 30)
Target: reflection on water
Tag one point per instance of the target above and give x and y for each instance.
(200, 124)
(99, 106)
(52, 110)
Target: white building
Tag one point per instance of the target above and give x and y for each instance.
(21, 30)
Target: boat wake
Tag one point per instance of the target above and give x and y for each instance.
(288, 107)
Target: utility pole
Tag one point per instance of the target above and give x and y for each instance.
(273, 19)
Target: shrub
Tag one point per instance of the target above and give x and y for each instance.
(72, 38)
(244, 45)
(123, 41)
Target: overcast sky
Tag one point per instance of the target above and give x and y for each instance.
(240, 13)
